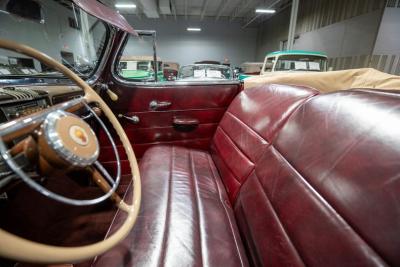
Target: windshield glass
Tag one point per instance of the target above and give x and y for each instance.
(301, 63)
(205, 71)
(58, 28)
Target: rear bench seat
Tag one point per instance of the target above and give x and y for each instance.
(293, 179)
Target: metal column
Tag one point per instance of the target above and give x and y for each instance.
(292, 26)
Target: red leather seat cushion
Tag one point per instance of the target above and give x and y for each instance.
(326, 193)
(185, 217)
(249, 126)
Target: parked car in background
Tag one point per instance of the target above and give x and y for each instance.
(214, 62)
(248, 69)
(140, 68)
(294, 60)
(205, 72)
(170, 70)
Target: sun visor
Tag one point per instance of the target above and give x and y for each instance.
(103, 12)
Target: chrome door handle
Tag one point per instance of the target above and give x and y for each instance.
(134, 119)
(156, 105)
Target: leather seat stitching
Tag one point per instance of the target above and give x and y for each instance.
(251, 246)
(249, 128)
(279, 220)
(200, 219)
(225, 209)
(329, 206)
(167, 212)
(235, 145)
(227, 166)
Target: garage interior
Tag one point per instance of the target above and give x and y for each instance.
(199, 133)
(354, 34)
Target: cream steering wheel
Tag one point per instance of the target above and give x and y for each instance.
(20, 249)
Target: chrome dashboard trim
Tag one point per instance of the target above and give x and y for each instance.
(21, 123)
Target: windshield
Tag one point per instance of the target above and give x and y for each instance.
(301, 63)
(63, 31)
(205, 71)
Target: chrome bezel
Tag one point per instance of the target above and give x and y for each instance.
(54, 141)
(38, 118)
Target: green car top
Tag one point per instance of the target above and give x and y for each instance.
(140, 68)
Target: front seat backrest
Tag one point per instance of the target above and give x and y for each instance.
(327, 191)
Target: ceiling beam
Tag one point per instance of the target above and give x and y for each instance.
(284, 5)
(165, 7)
(186, 8)
(241, 8)
(203, 9)
(150, 8)
(221, 8)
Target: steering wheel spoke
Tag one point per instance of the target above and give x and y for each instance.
(104, 180)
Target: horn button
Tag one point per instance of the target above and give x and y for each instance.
(68, 140)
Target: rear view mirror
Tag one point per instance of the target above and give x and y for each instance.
(27, 9)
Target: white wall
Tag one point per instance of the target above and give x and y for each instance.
(218, 40)
(388, 41)
(350, 37)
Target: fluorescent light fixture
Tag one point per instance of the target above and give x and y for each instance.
(267, 11)
(125, 5)
(194, 29)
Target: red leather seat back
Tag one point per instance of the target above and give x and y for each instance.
(248, 127)
(327, 191)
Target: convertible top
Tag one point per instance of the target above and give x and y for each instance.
(330, 81)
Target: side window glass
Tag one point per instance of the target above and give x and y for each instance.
(137, 60)
(269, 64)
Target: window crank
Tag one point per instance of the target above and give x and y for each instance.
(134, 119)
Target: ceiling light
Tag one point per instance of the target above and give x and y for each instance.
(267, 11)
(125, 5)
(194, 29)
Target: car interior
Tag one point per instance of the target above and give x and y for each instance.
(294, 169)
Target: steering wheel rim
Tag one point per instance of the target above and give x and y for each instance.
(17, 248)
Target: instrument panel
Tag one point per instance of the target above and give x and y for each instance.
(15, 111)
(16, 102)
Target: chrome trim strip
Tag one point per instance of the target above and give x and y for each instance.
(21, 123)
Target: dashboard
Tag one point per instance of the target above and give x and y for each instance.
(19, 101)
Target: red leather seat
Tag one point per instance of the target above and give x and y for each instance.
(312, 179)
(185, 217)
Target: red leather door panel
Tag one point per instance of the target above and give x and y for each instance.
(204, 104)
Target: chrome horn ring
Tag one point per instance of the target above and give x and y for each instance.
(40, 118)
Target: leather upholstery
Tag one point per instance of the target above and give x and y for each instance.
(319, 186)
(185, 217)
(205, 103)
(326, 193)
(249, 126)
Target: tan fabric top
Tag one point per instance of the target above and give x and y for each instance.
(331, 80)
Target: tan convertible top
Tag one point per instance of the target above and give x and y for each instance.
(331, 80)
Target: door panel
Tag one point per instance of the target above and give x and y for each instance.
(205, 104)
